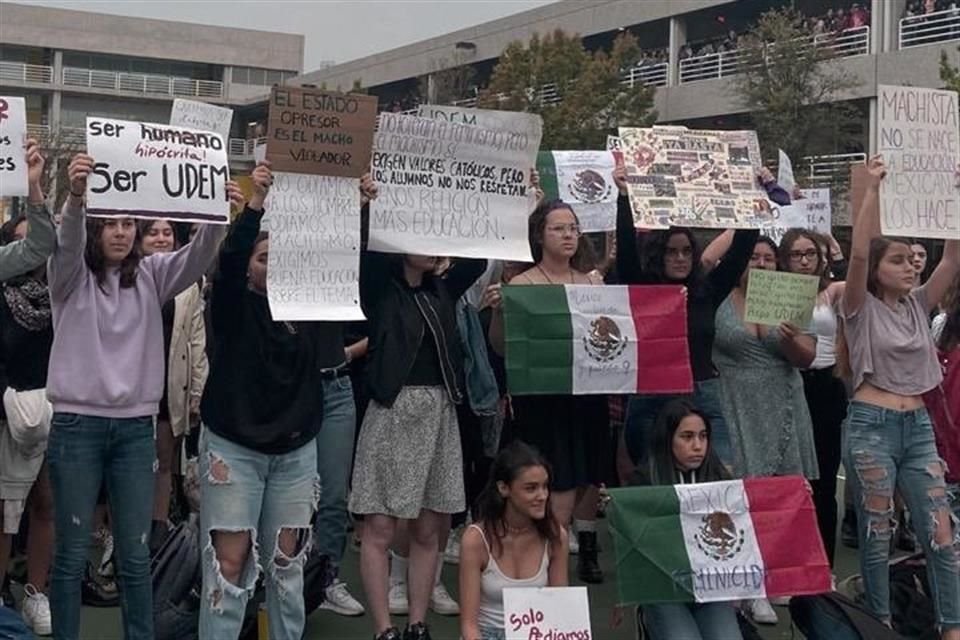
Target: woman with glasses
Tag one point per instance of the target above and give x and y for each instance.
(569, 430)
(801, 252)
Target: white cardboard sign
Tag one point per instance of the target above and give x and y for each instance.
(201, 116)
(13, 138)
(547, 613)
(148, 170)
(917, 134)
(313, 271)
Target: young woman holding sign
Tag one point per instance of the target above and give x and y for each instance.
(888, 438)
(516, 542)
(801, 251)
(569, 430)
(186, 368)
(105, 387)
(409, 461)
(21, 256)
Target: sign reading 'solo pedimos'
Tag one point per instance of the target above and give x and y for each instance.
(148, 170)
(920, 143)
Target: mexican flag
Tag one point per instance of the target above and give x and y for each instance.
(717, 541)
(584, 179)
(582, 339)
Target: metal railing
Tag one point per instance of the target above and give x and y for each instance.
(22, 72)
(654, 75)
(38, 131)
(242, 148)
(843, 44)
(141, 83)
(940, 26)
(831, 169)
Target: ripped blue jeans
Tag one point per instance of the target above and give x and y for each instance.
(884, 451)
(242, 490)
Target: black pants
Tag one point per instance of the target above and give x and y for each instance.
(827, 400)
(476, 466)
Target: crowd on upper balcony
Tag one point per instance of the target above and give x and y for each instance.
(926, 7)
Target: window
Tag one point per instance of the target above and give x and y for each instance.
(274, 77)
(258, 77)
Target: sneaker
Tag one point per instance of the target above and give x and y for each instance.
(442, 603)
(338, 599)
(781, 601)
(36, 611)
(451, 554)
(760, 611)
(399, 605)
(390, 634)
(417, 631)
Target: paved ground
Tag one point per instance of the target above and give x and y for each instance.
(103, 624)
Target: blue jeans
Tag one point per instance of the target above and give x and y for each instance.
(83, 452)
(886, 450)
(334, 458)
(491, 633)
(12, 626)
(642, 412)
(245, 490)
(681, 621)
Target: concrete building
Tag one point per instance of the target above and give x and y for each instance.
(70, 64)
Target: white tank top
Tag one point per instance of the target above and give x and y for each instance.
(493, 582)
(824, 325)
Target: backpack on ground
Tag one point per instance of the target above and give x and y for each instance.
(175, 570)
(834, 616)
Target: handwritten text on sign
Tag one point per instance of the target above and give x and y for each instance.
(451, 189)
(918, 138)
(779, 296)
(13, 136)
(314, 261)
(201, 116)
(549, 613)
(318, 132)
(157, 171)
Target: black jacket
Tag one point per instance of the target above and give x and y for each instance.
(400, 317)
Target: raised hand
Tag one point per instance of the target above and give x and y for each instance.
(620, 178)
(81, 166)
(262, 181)
(235, 195)
(877, 170)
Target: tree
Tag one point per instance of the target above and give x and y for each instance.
(949, 73)
(452, 80)
(578, 94)
(794, 94)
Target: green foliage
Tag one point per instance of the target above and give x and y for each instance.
(592, 101)
(949, 73)
(453, 80)
(793, 91)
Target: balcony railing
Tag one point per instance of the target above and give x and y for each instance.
(941, 26)
(142, 83)
(27, 73)
(654, 75)
(843, 44)
(831, 169)
(242, 148)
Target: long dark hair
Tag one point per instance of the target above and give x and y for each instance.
(950, 337)
(9, 228)
(144, 226)
(660, 464)
(97, 263)
(653, 254)
(492, 507)
(878, 249)
(583, 260)
(786, 245)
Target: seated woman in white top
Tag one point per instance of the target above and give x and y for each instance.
(516, 543)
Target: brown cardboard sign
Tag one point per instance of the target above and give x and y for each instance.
(320, 132)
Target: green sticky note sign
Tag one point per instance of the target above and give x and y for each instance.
(778, 296)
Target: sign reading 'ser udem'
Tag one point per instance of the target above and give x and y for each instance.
(320, 132)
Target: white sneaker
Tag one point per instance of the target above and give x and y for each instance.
(398, 603)
(36, 611)
(781, 601)
(442, 603)
(760, 611)
(451, 554)
(339, 600)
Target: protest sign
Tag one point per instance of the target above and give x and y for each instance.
(150, 170)
(546, 613)
(13, 139)
(450, 189)
(584, 179)
(314, 263)
(201, 116)
(486, 118)
(811, 211)
(780, 296)
(681, 177)
(785, 172)
(717, 541)
(320, 132)
(583, 339)
(917, 134)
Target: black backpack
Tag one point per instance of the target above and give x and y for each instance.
(175, 570)
(833, 616)
(911, 606)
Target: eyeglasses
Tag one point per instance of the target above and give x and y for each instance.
(679, 252)
(561, 229)
(809, 254)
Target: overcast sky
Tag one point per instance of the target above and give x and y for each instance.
(335, 29)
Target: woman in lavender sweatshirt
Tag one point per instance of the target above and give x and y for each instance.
(105, 386)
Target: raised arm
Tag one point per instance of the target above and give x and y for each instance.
(866, 227)
(944, 275)
(66, 266)
(775, 192)
(726, 275)
(31, 252)
(715, 251)
(462, 274)
(628, 260)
